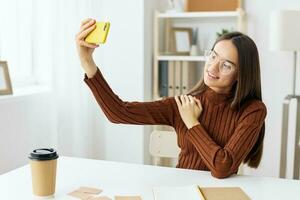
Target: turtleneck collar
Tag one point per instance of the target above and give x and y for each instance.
(216, 97)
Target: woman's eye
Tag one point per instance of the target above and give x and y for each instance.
(227, 66)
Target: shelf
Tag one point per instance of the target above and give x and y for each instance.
(181, 58)
(199, 14)
(26, 91)
(163, 23)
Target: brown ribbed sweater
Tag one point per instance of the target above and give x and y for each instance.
(219, 143)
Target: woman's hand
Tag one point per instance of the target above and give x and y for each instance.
(85, 50)
(190, 109)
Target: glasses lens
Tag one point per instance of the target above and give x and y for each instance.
(210, 56)
(226, 67)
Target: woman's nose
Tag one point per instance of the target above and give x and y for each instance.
(214, 67)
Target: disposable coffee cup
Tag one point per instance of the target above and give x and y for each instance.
(43, 164)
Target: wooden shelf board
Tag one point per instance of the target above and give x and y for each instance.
(180, 58)
(199, 14)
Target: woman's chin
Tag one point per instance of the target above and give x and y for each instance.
(209, 82)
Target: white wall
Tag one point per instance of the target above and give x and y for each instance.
(276, 68)
(122, 60)
(28, 119)
(26, 122)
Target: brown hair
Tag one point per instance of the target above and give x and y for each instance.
(247, 87)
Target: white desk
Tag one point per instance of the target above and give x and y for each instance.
(133, 179)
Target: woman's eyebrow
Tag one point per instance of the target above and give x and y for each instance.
(224, 59)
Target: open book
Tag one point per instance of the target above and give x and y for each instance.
(194, 192)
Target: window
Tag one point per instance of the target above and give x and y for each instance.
(16, 39)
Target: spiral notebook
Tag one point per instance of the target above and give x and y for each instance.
(194, 192)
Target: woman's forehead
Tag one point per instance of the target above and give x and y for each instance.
(226, 50)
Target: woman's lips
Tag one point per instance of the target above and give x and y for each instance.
(212, 75)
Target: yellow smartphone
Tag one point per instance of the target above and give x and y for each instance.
(99, 34)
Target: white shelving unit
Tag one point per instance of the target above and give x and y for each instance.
(199, 14)
(238, 15)
(180, 58)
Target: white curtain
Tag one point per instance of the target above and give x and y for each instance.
(78, 133)
(16, 23)
(38, 41)
(76, 125)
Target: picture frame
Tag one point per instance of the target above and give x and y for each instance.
(181, 40)
(5, 83)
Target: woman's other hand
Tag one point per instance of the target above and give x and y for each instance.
(190, 109)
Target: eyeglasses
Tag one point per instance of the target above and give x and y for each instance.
(225, 66)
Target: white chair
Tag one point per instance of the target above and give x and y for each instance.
(163, 144)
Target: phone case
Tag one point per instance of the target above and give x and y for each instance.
(99, 34)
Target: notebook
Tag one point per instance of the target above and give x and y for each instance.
(194, 192)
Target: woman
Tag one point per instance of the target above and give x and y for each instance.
(219, 124)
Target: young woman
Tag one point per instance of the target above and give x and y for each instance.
(219, 124)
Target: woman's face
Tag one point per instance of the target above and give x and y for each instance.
(221, 67)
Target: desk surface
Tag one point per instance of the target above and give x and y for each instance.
(134, 179)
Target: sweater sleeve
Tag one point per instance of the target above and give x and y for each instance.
(160, 112)
(225, 161)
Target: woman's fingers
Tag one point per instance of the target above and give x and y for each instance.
(84, 33)
(87, 25)
(183, 101)
(83, 43)
(191, 99)
(178, 102)
(187, 100)
(86, 21)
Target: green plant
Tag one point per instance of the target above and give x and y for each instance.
(224, 31)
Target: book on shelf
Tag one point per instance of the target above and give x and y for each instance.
(195, 192)
(163, 78)
(171, 79)
(188, 76)
(178, 76)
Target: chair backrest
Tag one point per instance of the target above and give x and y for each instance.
(163, 144)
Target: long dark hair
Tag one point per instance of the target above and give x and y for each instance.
(247, 86)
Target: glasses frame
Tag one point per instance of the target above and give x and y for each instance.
(220, 60)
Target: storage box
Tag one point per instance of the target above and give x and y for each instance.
(211, 5)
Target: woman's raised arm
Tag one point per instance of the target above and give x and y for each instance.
(115, 109)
